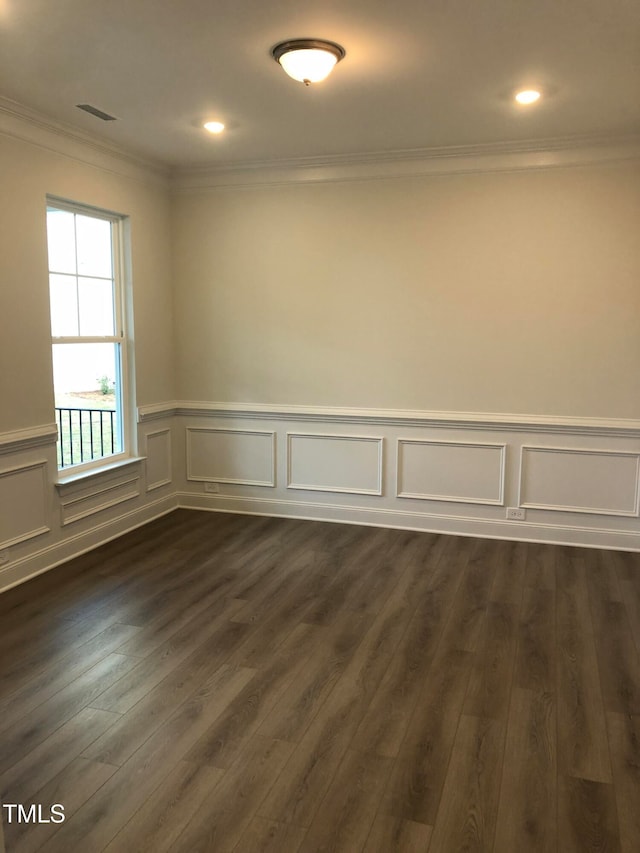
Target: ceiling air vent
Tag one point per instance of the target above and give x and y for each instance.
(96, 112)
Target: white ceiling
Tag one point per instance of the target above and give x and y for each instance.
(418, 73)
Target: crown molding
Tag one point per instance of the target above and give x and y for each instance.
(618, 427)
(28, 125)
(411, 163)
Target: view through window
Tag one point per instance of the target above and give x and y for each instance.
(87, 327)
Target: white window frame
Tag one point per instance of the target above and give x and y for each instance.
(123, 326)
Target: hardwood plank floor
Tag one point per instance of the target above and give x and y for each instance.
(527, 809)
(218, 683)
(583, 750)
(624, 740)
(466, 818)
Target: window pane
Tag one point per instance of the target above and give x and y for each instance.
(94, 246)
(61, 241)
(85, 303)
(64, 305)
(88, 401)
(96, 306)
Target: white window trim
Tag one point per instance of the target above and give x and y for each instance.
(123, 321)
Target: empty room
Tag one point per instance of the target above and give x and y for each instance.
(319, 427)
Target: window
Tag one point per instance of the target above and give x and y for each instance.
(88, 333)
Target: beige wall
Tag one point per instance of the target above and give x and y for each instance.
(505, 292)
(27, 174)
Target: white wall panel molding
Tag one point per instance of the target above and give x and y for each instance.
(448, 160)
(327, 462)
(583, 493)
(451, 473)
(23, 498)
(457, 471)
(616, 427)
(158, 458)
(26, 439)
(580, 480)
(99, 496)
(27, 125)
(244, 457)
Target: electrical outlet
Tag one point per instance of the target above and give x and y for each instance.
(514, 513)
(4, 556)
(212, 488)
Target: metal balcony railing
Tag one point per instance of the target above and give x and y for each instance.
(85, 434)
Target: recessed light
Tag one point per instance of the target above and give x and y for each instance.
(528, 96)
(213, 126)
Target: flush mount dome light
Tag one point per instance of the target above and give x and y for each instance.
(308, 60)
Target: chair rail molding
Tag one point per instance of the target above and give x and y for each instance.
(25, 439)
(617, 427)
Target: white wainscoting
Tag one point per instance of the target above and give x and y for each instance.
(158, 461)
(564, 479)
(576, 478)
(445, 473)
(23, 498)
(326, 462)
(81, 501)
(456, 471)
(240, 456)
(46, 520)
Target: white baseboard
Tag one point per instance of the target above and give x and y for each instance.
(48, 558)
(482, 528)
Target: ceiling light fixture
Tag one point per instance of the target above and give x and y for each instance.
(213, 126)
(308, 60)
(527, 96)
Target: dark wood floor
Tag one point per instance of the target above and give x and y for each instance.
(218, 683)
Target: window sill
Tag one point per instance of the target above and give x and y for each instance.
(86, 475)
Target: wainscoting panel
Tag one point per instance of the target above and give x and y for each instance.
(102, 494)
(451, 471)
(23, 498)
(323, 462)
(602, 482)
(446, 472)
(158, 453)
(240, 456)
(48, 517)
